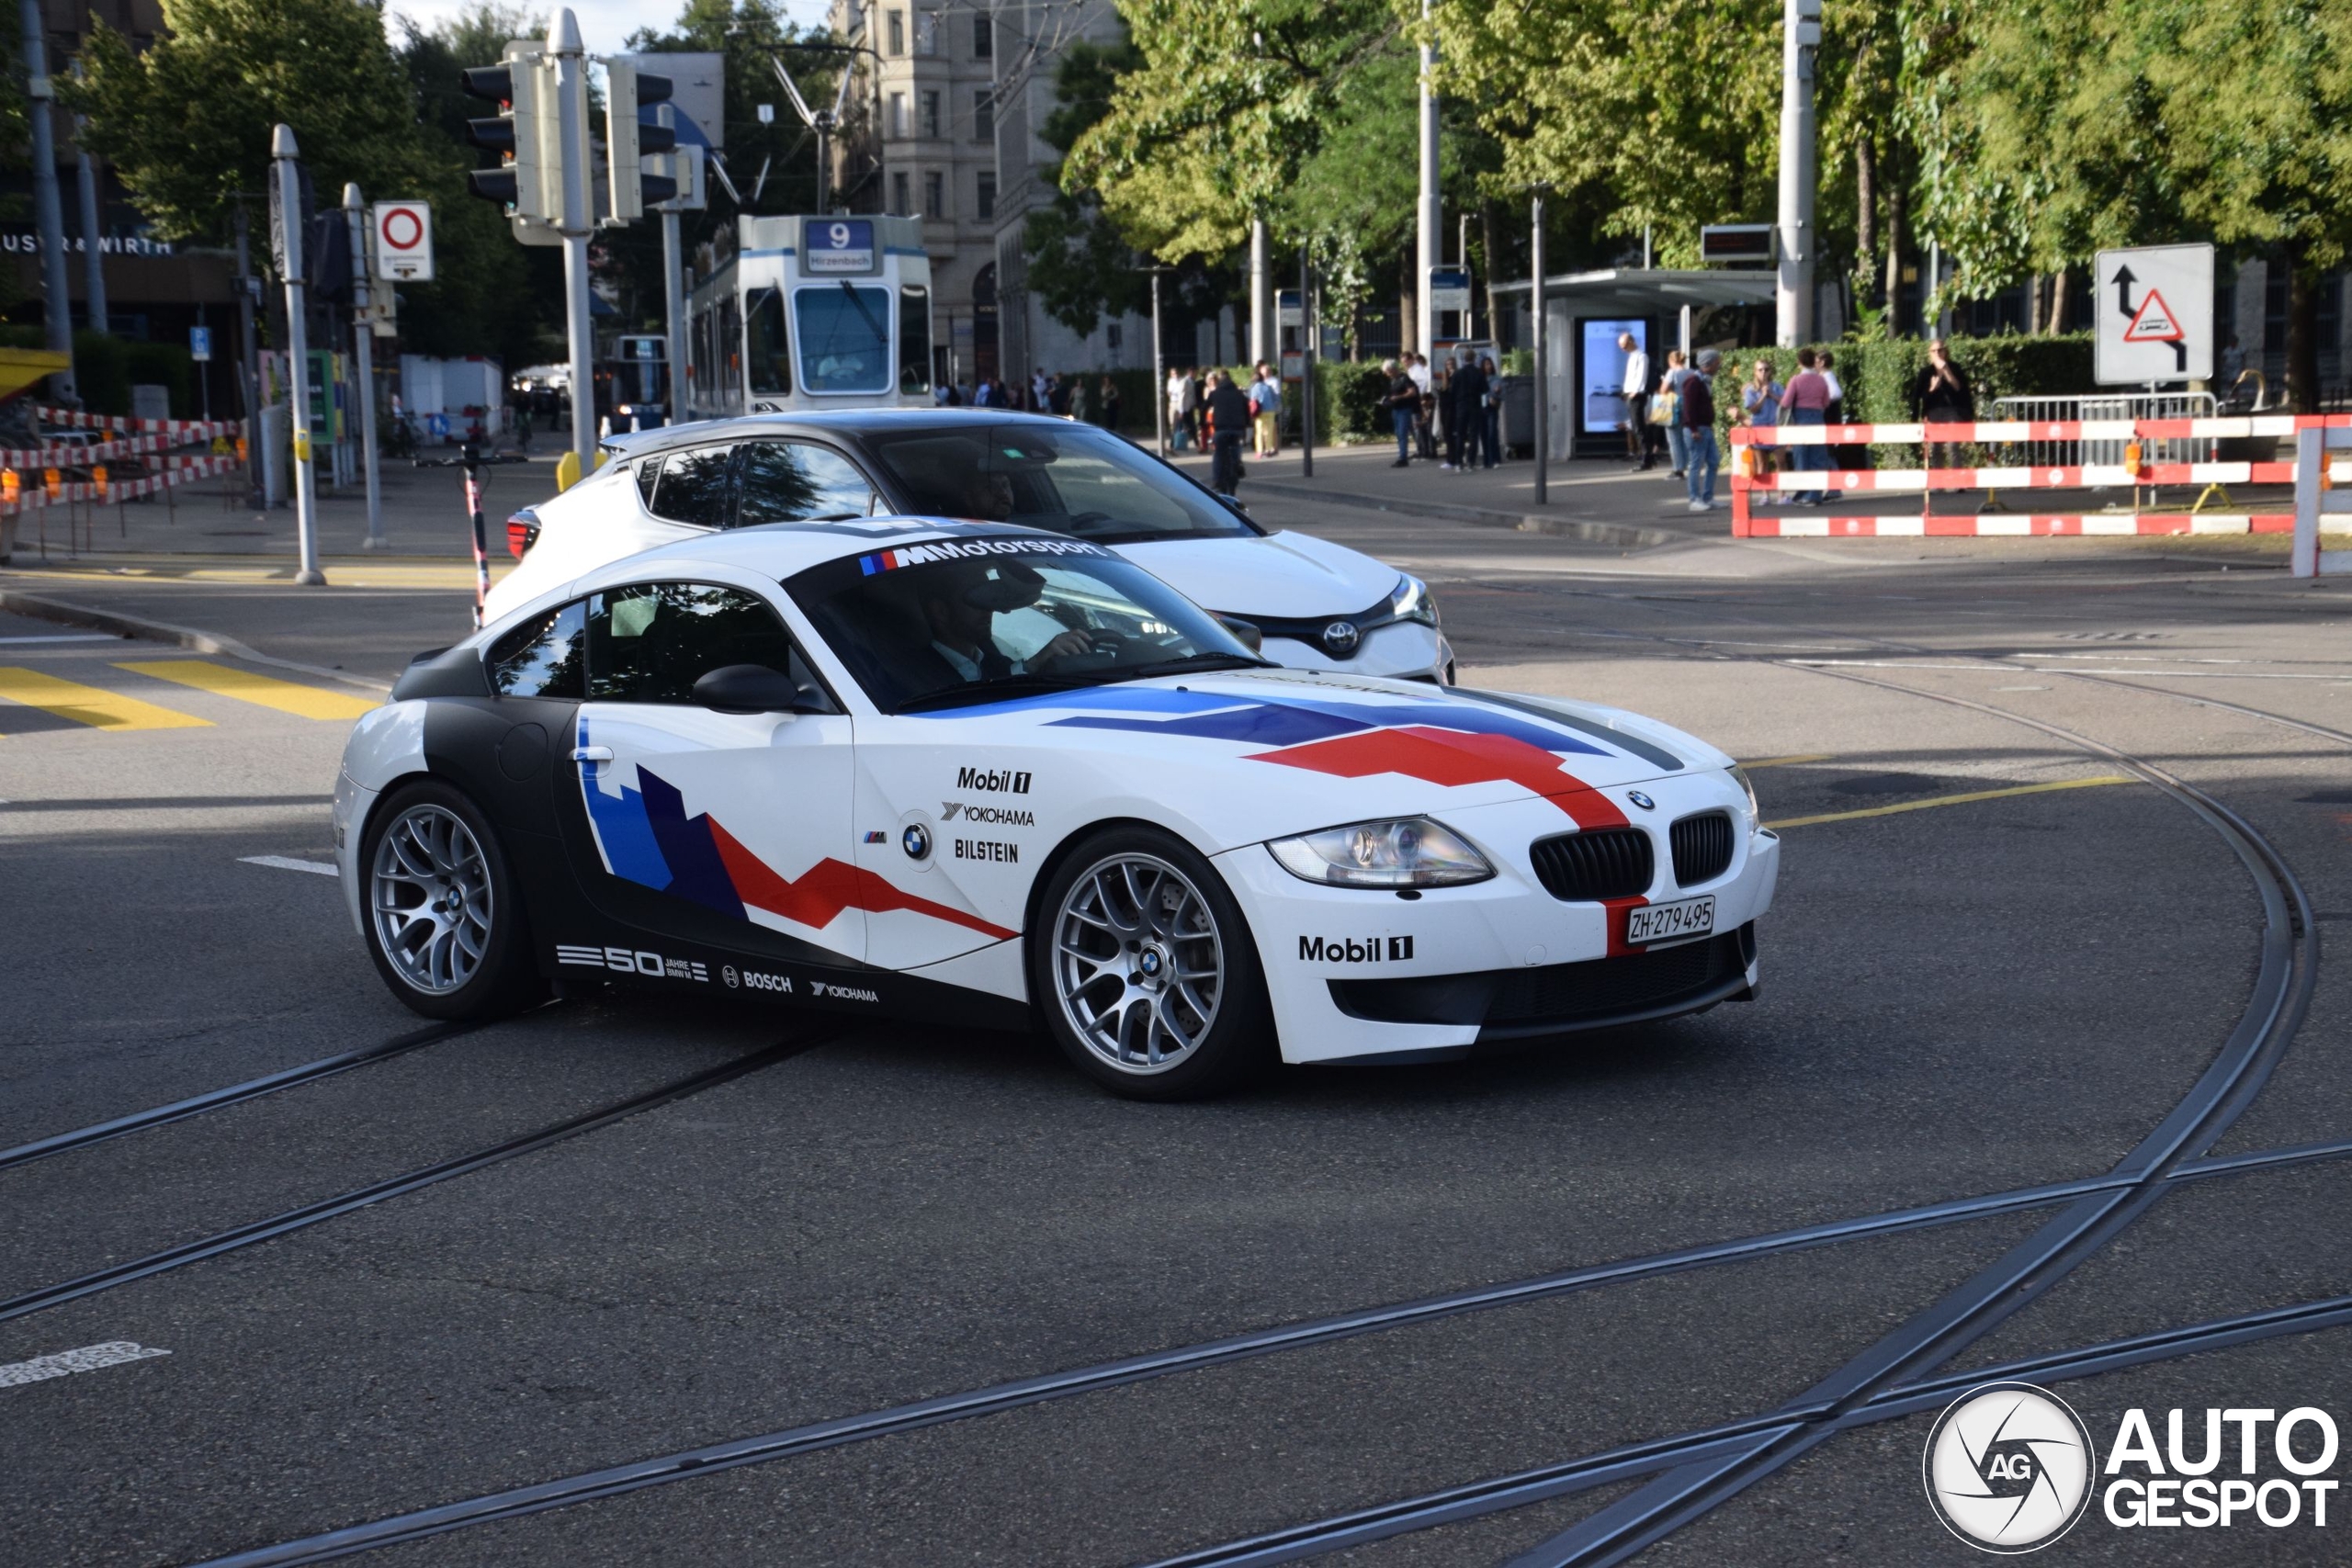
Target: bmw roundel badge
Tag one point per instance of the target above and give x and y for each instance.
(916, 841)
(1636, 796)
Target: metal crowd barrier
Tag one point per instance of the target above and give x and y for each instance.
(2106, 407)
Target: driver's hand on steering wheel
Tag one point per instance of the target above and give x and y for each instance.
(1062, 647)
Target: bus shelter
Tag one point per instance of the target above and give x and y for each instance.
(1587, 312)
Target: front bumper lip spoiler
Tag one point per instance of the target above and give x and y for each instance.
(1737, 989)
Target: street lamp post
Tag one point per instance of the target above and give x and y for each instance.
(1159, 361)
(1543, 357)
(363, 332)
(1793, 291)
(1309, 329)
(283, 152)
(1431, 239)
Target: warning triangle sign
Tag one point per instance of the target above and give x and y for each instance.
(2153, 323)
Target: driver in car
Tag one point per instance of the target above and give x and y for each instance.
(960, 608)
(988, 496)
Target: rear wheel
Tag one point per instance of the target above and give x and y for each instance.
(1146, 970)
(444, 918)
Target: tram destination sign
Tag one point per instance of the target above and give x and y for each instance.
(839, 247)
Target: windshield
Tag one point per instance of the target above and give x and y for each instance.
(973, 620)
(844, 334)
(1070, 480)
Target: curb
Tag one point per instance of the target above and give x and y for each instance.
(1630, 536)
(58, 610)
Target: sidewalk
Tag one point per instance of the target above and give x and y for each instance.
(1600, 503)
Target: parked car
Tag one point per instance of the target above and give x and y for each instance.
(1317, 606)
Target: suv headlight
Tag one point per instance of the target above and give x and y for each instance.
(1411, 852)
(1755, 813)
(1411, 601)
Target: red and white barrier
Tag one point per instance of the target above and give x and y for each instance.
(34, 494)
(1747, 485)
(2320, 507)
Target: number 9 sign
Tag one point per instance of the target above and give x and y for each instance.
(839, 235)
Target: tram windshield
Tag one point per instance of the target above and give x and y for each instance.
(844, 333)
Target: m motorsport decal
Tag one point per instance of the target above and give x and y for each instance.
(1452, 742)
(647, 837)
(971, 549)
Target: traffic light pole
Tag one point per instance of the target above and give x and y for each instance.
(673, 293)
(49, 217)
(283, 155)
(579, 219)
(363, 333)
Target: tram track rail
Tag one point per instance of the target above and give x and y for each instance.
(234, 1094)
(296, 1219)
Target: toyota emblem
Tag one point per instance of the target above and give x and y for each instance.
(1340, 638)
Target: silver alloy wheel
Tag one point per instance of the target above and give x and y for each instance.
(429, 895)
(1139, 965)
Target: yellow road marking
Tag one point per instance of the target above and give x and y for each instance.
(89, 704)
(286, 696)
(1790, 761)
(1955, 800)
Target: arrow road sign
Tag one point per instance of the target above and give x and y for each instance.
(2156, 320)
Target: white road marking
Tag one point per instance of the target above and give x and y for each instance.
(65, 1363)
(285, 862)
(68, 636)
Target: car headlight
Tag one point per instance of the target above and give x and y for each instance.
(1412, 852)
(1755, 813)
(1411, 601)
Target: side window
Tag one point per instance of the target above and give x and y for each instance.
(792, 481)
(651, 642)
(692, 487)
(770, 359)
(542, 658)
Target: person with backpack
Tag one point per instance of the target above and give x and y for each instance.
(1698, 400)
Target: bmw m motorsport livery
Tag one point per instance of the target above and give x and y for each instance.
(980, 775)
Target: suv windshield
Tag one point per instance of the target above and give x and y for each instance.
(959, 621)
(1070, 480)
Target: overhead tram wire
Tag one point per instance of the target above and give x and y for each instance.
(310, 1214)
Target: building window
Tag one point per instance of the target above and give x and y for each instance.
(986, 206)
(983, 38)
(897, 28)
(984, 115)
(935, 195)
(898, 113)
(1111, 336)
(926, 32)
(930, 116)
(899, 204)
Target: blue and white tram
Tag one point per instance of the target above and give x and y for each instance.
(812, 313)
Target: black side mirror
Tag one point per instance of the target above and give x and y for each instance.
(1246, 632)
(754, 688)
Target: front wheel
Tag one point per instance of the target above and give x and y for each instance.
(444, 918)
(1146, 971)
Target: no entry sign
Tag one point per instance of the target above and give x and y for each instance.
(404, 241)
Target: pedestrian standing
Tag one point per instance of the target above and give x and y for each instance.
(1698, 410)
(1667, 409)
(1846, 454)
(1424, 407)
(1635, 389)
(1761, 400)
(1195, 392)
(1041, 387)
(1228, 422)
(1107, 401)
(1805, 406)
(1492, 412)
(1403, 401)
(1180, 381)
(1080, 400)
(1468, 416)
(1941, 394)
(1266, 411)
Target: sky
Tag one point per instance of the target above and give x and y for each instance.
(604, 25)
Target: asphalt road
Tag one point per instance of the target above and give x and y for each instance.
(1961, 997)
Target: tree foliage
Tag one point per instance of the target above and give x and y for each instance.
(1080, 267)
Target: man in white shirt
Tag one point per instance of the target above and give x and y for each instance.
(1636, 388)
(1424, 443)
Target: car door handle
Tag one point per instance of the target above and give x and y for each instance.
(592, 753)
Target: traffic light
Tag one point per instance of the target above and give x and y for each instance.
(529, 178)
(628, 141)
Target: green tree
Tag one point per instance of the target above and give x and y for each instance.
(186, 121)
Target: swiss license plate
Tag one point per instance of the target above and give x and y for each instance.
(1670, 922)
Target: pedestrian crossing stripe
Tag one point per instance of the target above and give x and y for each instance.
(89, 704)
(286, 696)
